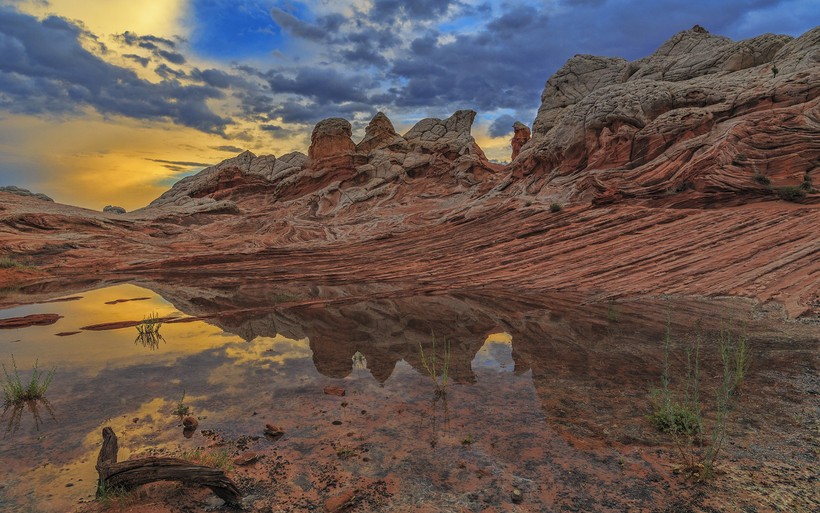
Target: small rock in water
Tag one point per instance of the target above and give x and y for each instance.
(340, 502)
(517, 496)
(190, 422)
(246, 458)
(273, 432)
(335, 391)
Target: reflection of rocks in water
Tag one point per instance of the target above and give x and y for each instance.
(592, 363)
(34, 406)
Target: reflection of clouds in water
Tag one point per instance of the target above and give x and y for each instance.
(495, 354)
(267, 351)
(277, 353)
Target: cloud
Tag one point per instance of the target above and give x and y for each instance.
(45, 70)
(502, 125)
(228, 149)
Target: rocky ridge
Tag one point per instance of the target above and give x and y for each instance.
(668, 169)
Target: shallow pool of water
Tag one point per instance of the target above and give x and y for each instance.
(547, 395)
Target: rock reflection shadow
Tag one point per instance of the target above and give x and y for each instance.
(15, 412)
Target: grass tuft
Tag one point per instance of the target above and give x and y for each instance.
(214, 458)
(437, 367)
(10, 263)
(16, 391)
(555, 207)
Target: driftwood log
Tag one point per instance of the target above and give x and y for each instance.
(131, 473)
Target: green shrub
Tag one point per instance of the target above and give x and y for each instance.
(762, 179)
(555, 207)
(678, 411)
(790, 193)
(16, 392)
(181, 410)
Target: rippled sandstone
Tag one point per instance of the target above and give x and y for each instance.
(667, 169)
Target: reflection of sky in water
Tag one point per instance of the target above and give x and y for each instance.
(105, 378)
(95, 350)
(496, 354)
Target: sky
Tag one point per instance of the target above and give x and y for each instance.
(111, 102)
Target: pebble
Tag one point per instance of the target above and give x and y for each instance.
(335, 391)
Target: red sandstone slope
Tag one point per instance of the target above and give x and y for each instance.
(660, 165)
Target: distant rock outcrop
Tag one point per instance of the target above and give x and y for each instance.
(11, 189)
(521, 136)
(241, 172)
(378, 134)
(702, 116)
(330, 138)
(113, 209)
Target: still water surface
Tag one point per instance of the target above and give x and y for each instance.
(547, 395)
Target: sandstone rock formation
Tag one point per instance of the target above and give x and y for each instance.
(113, 209)
(661, 165)
(521, 135)
(331, 138)
(378, 134)
(11, 189)
(702, 116)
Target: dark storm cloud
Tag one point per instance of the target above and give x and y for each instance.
(323, 85)
(179, 163)
(132, 39)
(500, 60)
(143, 61)
(502, 125)
(45, 70)
(388, 11)
(172, 57)
(228, 149)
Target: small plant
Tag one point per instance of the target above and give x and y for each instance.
(791, 193)
(555, 207)
(679, 412)
(807, 185)
(735, 358)
(762, 179)
(148, 334)
(775, 71)
(10, 263)
(468, 440)
(149, 324)
(613, 312)
(113, 496)
(15, 392)
(345, 453)
(214, 458)
(432, 366)
(182, 410)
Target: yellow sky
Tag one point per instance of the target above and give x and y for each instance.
(161, 18)
(91, 160)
